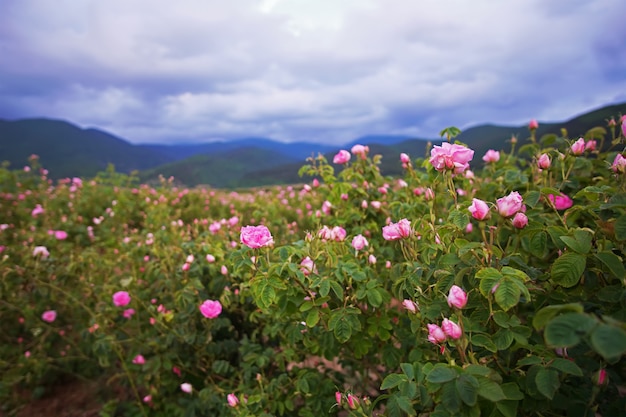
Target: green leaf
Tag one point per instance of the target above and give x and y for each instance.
(566, 366)
(467, 389)
(547, 382)
(450, 398)
(580, 242)
(393, 380)
(324, 287)
(531, 198)
(567, 269)
(374, 297)
(511, 391)
(484, 341)
(459, 218)
(613, 262)
(620, 228)
(507, 294)
(546, 314)
(539, 245)
(489, 278)
(441, 373)
(408, 370)
(337, 289)
(501, 319)
(566, 330)
(312, 318)
(609, 341)
(508, 408)
(490, 390)
(503, 339)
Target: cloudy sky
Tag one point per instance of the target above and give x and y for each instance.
(307, 70)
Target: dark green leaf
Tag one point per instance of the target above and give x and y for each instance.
(467, 388)
(490, 390)
(566, 330)
(567, 269)
(566, 366)
(613, 262)
(489, 278)
(507, 294)
(393, 380)
(547, 382)
(620, 228)
(450, 397)
(441, 373)
(609, 341)
(547, 313)
(484, 341)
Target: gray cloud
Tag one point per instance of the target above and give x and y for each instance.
(318, 70)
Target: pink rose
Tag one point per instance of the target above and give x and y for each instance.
(60, 234)
(451, 329)
(360, 150)
(491, 156)
(451, 157)
(590, 145)
(457, 297)
(404, 158)
(49, 316)
(256, 236)
(395, 231)
(578, 147)
(37, 210)
(232, 399)
(619, 164)
(128, 313)
(338, 397)
(307, 266)
(121, 298)
(435, 334)
(359, 242)
(543, 162)
(533, 124)
(520, 221)
(41, 251)
(211, 309)
(479, 209)
(342, 157)
(561, 202)
(410, 305)
(509, 205)
(139, 360)
(186, 387)
(353, 401)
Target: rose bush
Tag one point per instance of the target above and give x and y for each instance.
(501, 291)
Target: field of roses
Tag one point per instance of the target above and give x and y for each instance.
(475, 285)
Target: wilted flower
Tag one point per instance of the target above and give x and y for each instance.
(256, 236)
(210, 309)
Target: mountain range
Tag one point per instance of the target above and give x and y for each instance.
(67, 150)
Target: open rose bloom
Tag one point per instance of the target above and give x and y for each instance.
(451, 157)
(256, 236)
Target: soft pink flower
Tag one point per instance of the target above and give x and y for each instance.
(338, 397)
(128, 313)
(619, 164)
(410, 305)
(41, 251)
(139, 360)
(520, 220)
(359, 242)
(533, 124)
(404, 158)
(451, 157)
(360, 150)
(37, 210)
(578, 147)
(210, 258)
(307, 266)
(479, 209)
(602, 377)
(395, 231)
(49, 316)
(224, 270)
(186, 387)
(457, 297)
(232, 399)
(353, 401)
(590, 145)
(147, 399)
(543, 162)
(60, 234)
(435, 334)
(256, 236)
(211, 309)
(372, 260)
(451, 329)
(491, 156)
(429, 194)
(561, 202)
(121, 298)
(342, 157)
(509, 205)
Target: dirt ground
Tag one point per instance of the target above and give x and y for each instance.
(74, 399)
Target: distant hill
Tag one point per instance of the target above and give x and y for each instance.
(67, 150)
